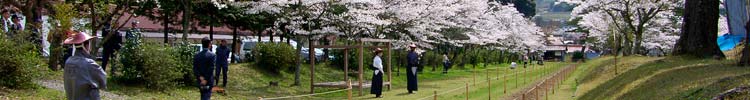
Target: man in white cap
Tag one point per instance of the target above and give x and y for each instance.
(411, 69)
(82, 77)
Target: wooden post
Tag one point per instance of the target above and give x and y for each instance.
(349, 92)
(434, 94)
(361, 66)
(467, 91)
(389, 65)
(312, 66)
(346, 64)
(489, 86)
(474, 77)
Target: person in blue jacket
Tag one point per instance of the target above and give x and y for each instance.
(222, 64)
(82, 77)
(203, 68)
(411, 69)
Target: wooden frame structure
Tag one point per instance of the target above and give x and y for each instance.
(360, 50)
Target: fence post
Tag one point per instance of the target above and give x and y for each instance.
(467, 91)
(489, 85)
(435, 95)
(349, 92)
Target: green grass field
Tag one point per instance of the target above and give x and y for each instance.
(251, 83)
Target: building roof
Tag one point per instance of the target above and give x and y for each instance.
(148, 25)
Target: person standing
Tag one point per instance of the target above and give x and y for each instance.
(6, 20)
(377, 77)
(203, 67)
(446, 63)
(82, 77)
(222, 64)
(111, 45)
(411, 69)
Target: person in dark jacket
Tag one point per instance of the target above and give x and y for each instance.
(82, 77)
(411, 69)
(222, 64)
(203, 68)
(377, 76)
(111, 45)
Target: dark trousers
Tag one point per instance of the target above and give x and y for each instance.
(206, 94)
(221, 70)
(105, 58)
(446, 66)
(377, 84)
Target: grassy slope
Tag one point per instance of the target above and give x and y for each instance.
(669, 78)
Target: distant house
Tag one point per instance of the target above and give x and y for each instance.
(558, 52)
(154, 29)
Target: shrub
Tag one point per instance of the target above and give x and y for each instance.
(578, 55)
(161, 68)
(20, 64)
(156, 65)
(184, 55)
(274, 56)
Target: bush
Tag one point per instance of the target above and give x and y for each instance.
(578, 55)
(158, 66)
(274, 56)
(20, 64)
(161, 67)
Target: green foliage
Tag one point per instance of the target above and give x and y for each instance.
(578, 55)
(20, 64)
(158, 66)
(161, 68)
(184, 55)
(353, 57)
(275, 56)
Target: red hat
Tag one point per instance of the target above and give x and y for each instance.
(77, 37)
(413, 45)
(378, 50)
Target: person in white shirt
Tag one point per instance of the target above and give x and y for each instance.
(446, 63)
(377, 77)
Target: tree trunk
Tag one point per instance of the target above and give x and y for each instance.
(185, 19)
(235, 47)
(299, 62)
(745, 60)
(166, 29)
(698, 36)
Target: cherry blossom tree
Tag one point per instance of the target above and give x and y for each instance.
(634, 24)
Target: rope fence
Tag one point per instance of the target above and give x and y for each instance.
(467, 84)
(435, 93)
(543, 89)
(349, 83)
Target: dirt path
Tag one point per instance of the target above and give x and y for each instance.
(58, 85)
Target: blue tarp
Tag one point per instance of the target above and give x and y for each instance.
(737, 16)
(728, 41)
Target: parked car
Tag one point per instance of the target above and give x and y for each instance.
(247, 46)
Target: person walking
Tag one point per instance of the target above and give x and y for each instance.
(203, 67)
(222, 64)
(446, 63)
(82, 77)
(377, 76)
(411, 73)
